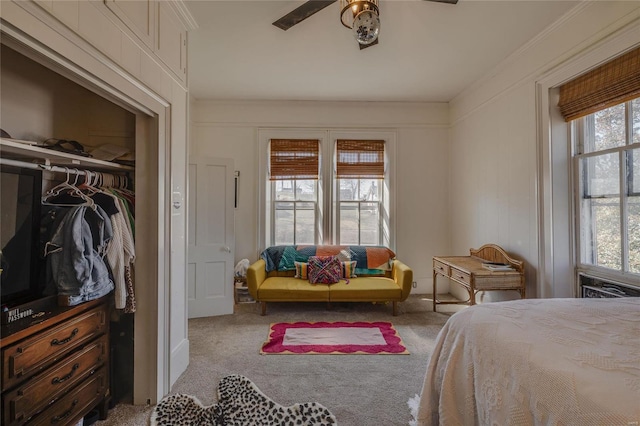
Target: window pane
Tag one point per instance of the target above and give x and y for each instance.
(369, 224)
(601, 175)
(306, 190)
(369, 189)
(633, 171)
(633, 210)
(349, 224)
(600, 214)
(636, 120)
(348, 189)
(606, 242)
(284, 190)
(305, 223)
(606, 129)
(633, 224)
(283, 223)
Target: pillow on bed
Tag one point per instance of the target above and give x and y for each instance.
(348, 269)
(301, 270)
(324, 269)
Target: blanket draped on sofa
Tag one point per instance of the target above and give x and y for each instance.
(369, 260)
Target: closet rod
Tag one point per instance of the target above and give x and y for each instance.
(60, 169)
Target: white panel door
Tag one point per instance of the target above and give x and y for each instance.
(211, 238)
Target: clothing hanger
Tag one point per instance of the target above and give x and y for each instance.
(123, 185)
(72, 190)
(64, 185)
(89, 184)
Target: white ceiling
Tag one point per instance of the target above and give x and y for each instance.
(427, 51)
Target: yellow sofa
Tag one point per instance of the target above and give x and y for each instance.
(282, 286)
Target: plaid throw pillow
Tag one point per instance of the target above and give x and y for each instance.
(324, 270)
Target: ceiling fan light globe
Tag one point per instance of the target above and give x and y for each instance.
(366, 27)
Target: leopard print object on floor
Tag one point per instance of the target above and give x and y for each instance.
(240, 403)
(185, 410)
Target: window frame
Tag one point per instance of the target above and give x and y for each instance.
(326, 190)
(579, 130)
(295, 203)
(555, 233)
(379, 202)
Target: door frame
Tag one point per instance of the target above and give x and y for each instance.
(36, 38)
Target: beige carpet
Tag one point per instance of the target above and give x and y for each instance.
(357, 389)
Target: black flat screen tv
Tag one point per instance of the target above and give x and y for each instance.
(20, 208)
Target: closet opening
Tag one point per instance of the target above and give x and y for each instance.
(45, 100)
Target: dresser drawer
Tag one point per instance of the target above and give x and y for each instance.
(31, 355)
(504, 281)
(441, 268)
(461, 276)
(71, 407)
(26, 400)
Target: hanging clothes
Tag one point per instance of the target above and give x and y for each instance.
(120, 253)
(125, 201)
(106, 224)
(50, 220)
(76, 252)
(128, 203)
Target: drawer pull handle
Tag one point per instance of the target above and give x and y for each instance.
(56, 342)
(64, 415)
(58, 380)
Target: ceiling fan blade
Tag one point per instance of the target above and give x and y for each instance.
(301, 13)
(445, 1)
(364, 46)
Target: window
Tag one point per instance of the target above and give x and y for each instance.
(324, 187)
(608, 162)
(603, 107)
(293, 171)
(360, 179)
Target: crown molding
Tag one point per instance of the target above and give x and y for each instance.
(475, 97)
(183, 13)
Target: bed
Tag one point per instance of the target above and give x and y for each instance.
(534, 362)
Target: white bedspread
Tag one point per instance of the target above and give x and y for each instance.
(536, 362)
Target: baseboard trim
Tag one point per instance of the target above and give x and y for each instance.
(179, 361)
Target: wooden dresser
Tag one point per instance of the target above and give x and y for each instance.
(56, 371)
(469, 272)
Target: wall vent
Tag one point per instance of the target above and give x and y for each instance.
(594, 287)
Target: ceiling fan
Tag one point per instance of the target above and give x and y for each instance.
(362, 16)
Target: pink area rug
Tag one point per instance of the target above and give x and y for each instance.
(364, 338)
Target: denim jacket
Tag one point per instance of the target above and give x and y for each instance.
(76, 251)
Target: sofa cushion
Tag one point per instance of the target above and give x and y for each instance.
(365, 289)
(282, 289)
(324, 270)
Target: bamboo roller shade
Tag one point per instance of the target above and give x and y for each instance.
(360, 158)
(294, 159)
(610, 84)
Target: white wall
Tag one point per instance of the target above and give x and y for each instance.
(468, 172)
(229, 130)
(494, 139)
